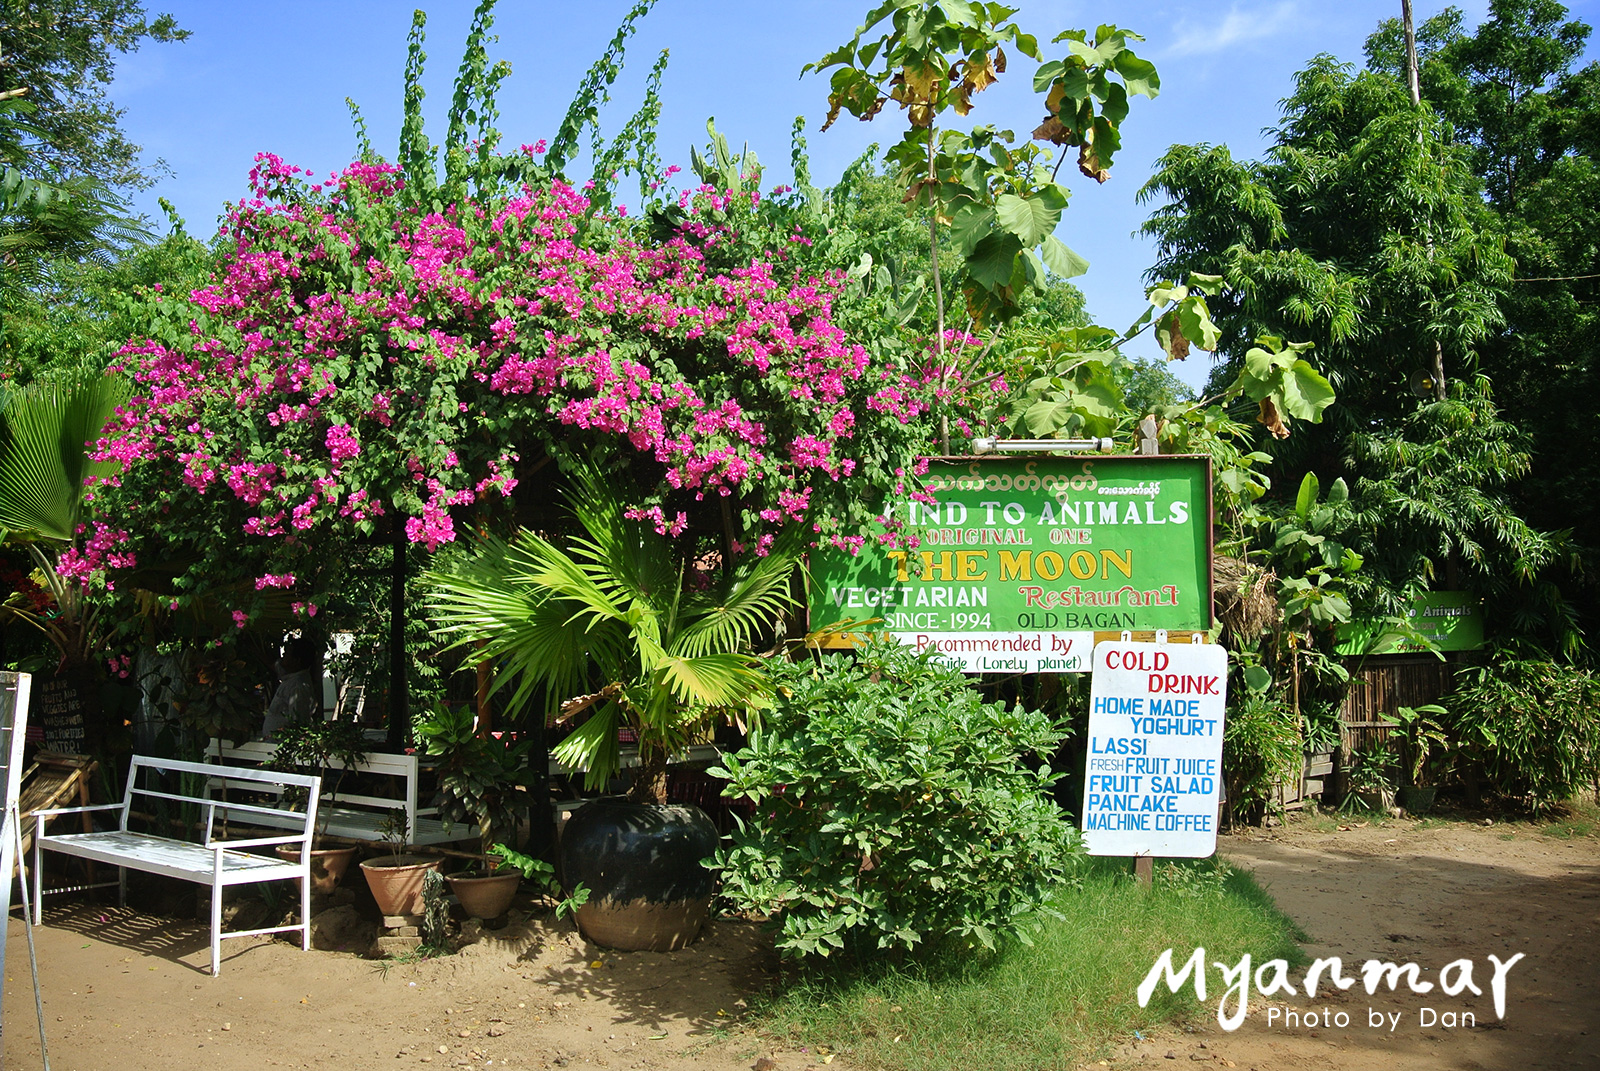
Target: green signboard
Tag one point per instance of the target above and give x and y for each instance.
(1449, 620)
(1022, 563)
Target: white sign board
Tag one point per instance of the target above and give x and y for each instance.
(1155, 749)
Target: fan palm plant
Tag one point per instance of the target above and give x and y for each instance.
(609, 627)
(43, 465)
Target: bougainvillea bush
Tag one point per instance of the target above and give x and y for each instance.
(364, 358)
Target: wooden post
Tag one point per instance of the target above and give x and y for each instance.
(399, 701)
(1144, 868)
(485, 708)
(1148, 444)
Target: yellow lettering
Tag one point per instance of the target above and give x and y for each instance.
(899, 559)
(966, 567)
(1016, 565)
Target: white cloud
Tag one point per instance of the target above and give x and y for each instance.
(1239, 25)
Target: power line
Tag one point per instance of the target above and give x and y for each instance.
(1556, 278)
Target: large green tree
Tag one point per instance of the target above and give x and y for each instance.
(1363, 232)
(63, 55)
(69, 248)
(1529, 118)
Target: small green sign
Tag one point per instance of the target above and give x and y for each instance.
(1022, 562)
(1451, 620)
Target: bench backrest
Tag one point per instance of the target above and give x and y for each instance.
(404, 772)
(206, 772)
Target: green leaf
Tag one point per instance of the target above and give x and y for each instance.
(1084, 52)
(970, 224)
(1115, 106)
(1048, 72)
(1030, 218)
(592, 748)
(1109, 43)
(843, 54)
(1257, 679)
(1074, 83)
(958, 12)
(993, 260)
(1309, 489)
(1165, 293)
(1138, 74)
(1195, 319)
(1062, 260)
(1046, 417)
(1305, 392)
(44, 458)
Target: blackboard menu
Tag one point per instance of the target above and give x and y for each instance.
(58, 707)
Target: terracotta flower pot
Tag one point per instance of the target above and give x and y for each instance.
(327, 865)
(396, 881)
(485, 896)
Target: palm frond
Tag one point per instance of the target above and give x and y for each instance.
(748, 603)
(711, 680)
(542, 633)
(592, 747)
(43, 457)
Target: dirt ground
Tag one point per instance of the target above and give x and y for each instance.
(127, 990)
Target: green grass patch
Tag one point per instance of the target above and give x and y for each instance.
(1064, 1000)
(1578, 817)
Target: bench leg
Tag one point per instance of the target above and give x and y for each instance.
(38, 881)
(216, 925)
(122, 886)
(305, 909)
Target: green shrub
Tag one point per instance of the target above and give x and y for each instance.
(894, 809)
(1533, 723)
(1261, 743)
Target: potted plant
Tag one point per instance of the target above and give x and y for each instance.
(395, 877)
(1370, 778)
(609, 629)
(1421, 732)
(478, 780)
(328, 749)
(543, 877)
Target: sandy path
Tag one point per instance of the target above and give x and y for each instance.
(1426, 894)
(128, 992)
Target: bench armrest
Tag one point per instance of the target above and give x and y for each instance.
(51, 812)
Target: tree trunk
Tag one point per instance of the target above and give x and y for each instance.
(650, 781)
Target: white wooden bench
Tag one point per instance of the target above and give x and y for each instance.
(355, 816)
(215, 862)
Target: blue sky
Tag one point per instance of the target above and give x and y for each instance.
(275, 77)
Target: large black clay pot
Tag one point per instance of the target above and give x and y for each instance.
(641, 862)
